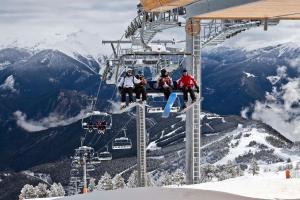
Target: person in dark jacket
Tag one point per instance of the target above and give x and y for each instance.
(165, 83)
(140, 88)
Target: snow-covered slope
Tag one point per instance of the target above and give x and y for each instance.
(264, 186)
(225, 139)
(159, 194)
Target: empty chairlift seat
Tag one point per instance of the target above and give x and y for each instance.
(74, 172)
(105, 155)
(75, 164)
(122, 142)
(90, 167)
(95, 160)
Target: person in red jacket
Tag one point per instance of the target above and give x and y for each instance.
(187, 84)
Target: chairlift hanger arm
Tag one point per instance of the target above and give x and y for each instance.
(156, 54)
(116, 42)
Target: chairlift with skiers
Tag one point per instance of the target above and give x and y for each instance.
(97, 121)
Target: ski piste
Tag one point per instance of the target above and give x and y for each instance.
(169, 105)
(189, 107)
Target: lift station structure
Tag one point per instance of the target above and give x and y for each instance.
(207, 23)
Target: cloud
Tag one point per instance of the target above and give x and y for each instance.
(52, 121)
(295, 63)
(244, 112)
(281, 74)
(281, 109)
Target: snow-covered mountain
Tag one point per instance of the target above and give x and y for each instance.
(224, 139)
(43, 94)
(81, 43)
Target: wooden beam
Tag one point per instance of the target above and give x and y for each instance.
(264, 9)
(163, 5)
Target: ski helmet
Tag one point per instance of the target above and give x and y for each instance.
(163, 71)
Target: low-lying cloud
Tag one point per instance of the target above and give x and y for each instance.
(281, 109)
(53, 120)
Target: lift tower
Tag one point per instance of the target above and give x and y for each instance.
(141, 145)
(193, 65)
(157, 17)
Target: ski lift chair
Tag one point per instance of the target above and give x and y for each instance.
(90, 168)
(154, 91)
(75, 164)
(74, 179)
(84, 151)
(95, 160)
(97, 121)
(122, 142)
(105, 155)
(74, 172)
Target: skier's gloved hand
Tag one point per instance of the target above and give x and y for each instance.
(197, 89)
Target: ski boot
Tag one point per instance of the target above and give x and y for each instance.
(123, 106)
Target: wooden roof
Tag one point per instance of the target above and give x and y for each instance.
(163, 5)
(261, 9)
(264, 9)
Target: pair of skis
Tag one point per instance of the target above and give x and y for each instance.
(170, 104)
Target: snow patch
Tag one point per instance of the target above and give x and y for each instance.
(4, 65)
(182, 116)
(9, 84)
(249, 75)
(153, 146)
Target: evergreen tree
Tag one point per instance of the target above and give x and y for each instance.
(149, 181)
(105, 183)
(118, 182)
(28, 192)
(92, 185)
(53, 190)
(179, 177)
(56, 190)
(166, 179)
(60, 190)
(254, 168)
(208, 172)
(41, 190)
(132, 181)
